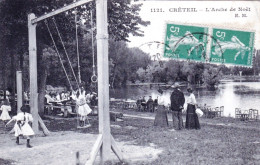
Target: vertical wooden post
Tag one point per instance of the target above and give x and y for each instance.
(103, 78)
(19, 88)
(33, 72)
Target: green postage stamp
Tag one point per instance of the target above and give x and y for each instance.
(185, 42)
(232, 47)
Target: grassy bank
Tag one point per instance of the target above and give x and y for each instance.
(220, 141)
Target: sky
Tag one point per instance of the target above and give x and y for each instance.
(224, 18)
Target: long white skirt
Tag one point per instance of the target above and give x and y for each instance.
(27, 130)
(5, 115)
(17, 130)
(84, 110)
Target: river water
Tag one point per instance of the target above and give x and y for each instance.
(231, 95)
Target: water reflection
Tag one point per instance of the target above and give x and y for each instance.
(243, 95)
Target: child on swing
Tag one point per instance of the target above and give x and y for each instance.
(83, 107)
(5, 108)
(22, 125)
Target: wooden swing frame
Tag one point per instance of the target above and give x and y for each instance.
(105, 140)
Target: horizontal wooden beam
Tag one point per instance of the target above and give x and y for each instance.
(60, 10)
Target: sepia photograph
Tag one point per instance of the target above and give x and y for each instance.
(129, 82)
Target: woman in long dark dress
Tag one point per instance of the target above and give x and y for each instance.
(161, 114)
(192, 120)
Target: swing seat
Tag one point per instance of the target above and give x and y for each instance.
(86, 123)
(86, 126)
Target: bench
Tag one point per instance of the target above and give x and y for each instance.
(219, 111)
(253, 114)
(65, 109)
(243, 115)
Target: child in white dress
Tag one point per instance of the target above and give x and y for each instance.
(22, 126)
(5, 108)
(83, 107)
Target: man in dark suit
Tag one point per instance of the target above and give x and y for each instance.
(177, 102)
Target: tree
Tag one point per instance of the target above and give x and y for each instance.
(125, 62)
(174, 70)
(141, 75)
(123, 19)
(211, 76)
(256, 63)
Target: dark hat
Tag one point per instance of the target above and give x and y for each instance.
(189, 89)
(160, 91)
(25, 108)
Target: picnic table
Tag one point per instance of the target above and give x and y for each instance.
(219, 111)
(62, 105)
(117, 103)
(244, 116)
(130, 104)
(241, 114)
(210, 112)
(253, 114)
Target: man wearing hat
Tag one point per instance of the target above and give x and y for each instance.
(177, 102)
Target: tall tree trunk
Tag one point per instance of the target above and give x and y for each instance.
(20, 68)
(21, 59)
(3, 74)
(114, 76)
(189, 78)
(42, 77)
(41, 88)
(124, 79)
(13, 84)
(3, 67)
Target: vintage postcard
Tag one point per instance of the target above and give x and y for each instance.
(129, 82)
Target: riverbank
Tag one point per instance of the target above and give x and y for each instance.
(218, 121)
(251, 78)
(220, 141)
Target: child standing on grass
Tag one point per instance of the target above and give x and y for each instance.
(5, 108)
(22, 126)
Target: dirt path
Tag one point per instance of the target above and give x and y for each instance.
(61, 148)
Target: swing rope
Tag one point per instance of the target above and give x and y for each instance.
(46, 23)
(77, 42)
(54, 21)
(93, 77)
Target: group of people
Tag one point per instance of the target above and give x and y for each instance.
(149, 105)
(69, 95)
(79, 98)
(59, 96)
(23, 120)
(177, 100)
(70, 101)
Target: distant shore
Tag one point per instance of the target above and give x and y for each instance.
(250, 78)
